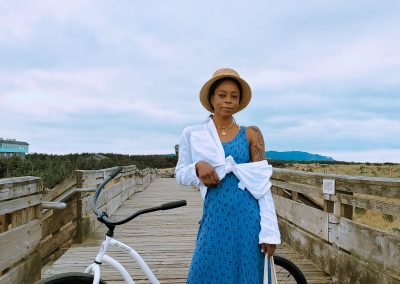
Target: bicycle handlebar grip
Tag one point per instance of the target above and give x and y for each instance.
(116, 171)
(173, 204)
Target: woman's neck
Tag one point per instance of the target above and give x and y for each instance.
(221, 121)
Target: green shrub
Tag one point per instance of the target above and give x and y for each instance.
(360, 211)
(53, 169)
(388, 217)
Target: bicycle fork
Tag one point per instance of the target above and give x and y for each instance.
(103, 257)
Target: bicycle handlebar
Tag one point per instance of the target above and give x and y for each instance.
(172, 205)
(103, 217)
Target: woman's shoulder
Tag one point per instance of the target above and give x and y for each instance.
(252, 130)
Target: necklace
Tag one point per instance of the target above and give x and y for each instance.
(223, 133)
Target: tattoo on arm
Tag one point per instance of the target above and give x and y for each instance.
(257, 151)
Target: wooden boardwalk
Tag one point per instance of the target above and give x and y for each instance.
(165, 239)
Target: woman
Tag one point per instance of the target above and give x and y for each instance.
(227, 162)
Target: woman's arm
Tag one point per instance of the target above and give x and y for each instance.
(257, 146)
(189, 172)
(185, 170)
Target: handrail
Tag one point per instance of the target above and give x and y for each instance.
(330, 234)
(53, 205)
(28, 208)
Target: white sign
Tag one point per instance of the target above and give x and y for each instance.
(328, 186)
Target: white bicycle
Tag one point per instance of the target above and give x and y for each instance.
(92, 272)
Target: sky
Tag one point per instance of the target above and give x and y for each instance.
(124, 76)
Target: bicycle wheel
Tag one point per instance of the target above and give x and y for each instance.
(287, 271)
(69, 278)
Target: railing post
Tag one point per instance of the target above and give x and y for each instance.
(80, 224)
(328, 190)
(346, 210)
(20, 230)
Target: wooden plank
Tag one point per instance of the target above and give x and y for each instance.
(369, 187)
(59, 218)
(343, 267)
(369, 204)
(114, 204)
(89, 178)
(86, 223)
(373, 245)
(61, 188)
(139, 182)
(19, 186)
(386, 187)
(87, 203)
(19, 203)
(27, 271)
(3, 223)
(297, 187)
(128, 183)
(311, 219)
(19, 242)
(16, 219)
(113, 191)
(54, 243)
(128, 170)
(105, 197)
(127, 193)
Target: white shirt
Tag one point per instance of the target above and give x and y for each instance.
(201, 143)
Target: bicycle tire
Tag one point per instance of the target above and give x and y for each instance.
(70, 278)
(287, 271)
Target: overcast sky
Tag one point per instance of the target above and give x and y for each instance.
(124, 76)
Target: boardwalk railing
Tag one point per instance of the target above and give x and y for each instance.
(30, 235)
(316, 218)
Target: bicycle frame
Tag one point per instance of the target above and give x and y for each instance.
(103, 257)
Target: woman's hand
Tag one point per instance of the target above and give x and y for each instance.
(268, 248)
(207, 174)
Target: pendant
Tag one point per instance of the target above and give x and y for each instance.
(223, 133)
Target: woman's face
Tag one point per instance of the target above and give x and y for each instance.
(226, 98)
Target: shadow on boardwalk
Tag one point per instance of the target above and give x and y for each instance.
(165, 239)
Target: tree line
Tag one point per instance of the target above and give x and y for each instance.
(53, 169)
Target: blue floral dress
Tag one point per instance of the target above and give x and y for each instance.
(227, 249)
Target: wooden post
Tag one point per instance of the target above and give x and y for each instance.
(329, 206)
(328, 190)
(20, 231)
(345, 210)
(295, 196)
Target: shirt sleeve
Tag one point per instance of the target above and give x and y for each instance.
(269, 233)
(185, 170)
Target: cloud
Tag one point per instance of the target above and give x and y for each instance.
(324, 77)
(375, 59)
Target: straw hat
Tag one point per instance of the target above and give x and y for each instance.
(225, 73)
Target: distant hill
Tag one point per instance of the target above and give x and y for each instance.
(296, 156)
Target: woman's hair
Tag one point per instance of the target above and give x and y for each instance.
(215, 85)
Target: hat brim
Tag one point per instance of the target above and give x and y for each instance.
(246, 92)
